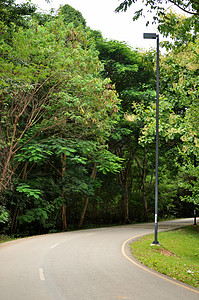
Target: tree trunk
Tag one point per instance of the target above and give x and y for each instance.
(144, 187)
(125, 207)
(7, 162)
(64, 222)
(14, 221)
(24, 176)
(142, 170)
(123, 180)
(83, 212)
(93, 176)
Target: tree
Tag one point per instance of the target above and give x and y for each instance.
(10, 12)
(50, 88)
(180, 29)
(179, 87)
(190, 7)
(178, 116)
(71, 15)
(133, 76)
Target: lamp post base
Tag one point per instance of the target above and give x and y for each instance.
(155, 243)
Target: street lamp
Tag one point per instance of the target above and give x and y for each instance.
(156, 36)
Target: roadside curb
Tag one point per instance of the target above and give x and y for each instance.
(133, 260)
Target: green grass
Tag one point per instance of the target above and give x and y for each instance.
(6, 238)
(177, 257)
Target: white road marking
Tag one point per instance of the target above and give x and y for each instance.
(54, 246)
(41, 274)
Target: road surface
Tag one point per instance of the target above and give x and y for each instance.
(93, 264)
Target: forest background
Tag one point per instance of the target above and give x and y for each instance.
(77, 120)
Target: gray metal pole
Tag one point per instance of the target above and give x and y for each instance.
(156, 36)
(157, 142)
(194, 214)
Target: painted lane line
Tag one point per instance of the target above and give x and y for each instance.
(41, 274)
(54, 246)
(150, 270)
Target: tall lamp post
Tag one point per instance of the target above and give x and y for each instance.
(156, 37)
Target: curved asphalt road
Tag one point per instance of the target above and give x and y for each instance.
(91, 264)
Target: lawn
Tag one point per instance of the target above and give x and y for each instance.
(177, 257)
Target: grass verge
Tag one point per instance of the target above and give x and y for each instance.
(6, 238)
(177, 257)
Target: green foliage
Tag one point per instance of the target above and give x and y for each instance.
(10, 12)
(133, 76)
(53, 71)
(108, 162)
(77, 183)
(158, 7)
(4, 214)
(178, 124)
(34, 208)
(71, 100)
(71, 15)
(120, 61)
(180, 28)
(28, 191)
(56, 115)
(33, 152)
(189, 181)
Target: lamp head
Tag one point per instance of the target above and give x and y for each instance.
(150, 36)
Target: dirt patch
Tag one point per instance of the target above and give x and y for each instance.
(167, 252)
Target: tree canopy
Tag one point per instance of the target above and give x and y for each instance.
(160, 13)
(189, 6)
(77, 123)
(71, 15)
(10, 12)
